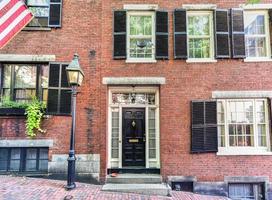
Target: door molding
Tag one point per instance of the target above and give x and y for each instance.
(117, 162)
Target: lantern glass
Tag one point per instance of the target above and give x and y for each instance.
(80, 78)
(73, 77)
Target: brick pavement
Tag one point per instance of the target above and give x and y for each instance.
(22, 188)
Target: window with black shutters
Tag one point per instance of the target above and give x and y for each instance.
(140, 36)
(24, 159)
(204, 127)
(180, 34)
(59, 92)
(47, 13)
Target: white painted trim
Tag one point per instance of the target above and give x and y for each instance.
(133, 80)
(200, 60)
(26, 58)
(139, 60)
(235, 151)
(141, 7)
(258, 59)
(26, 143)
(241, 94)
(120, 107)
(199, 6)
(261, 6)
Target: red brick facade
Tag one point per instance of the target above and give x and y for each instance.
(87, 30)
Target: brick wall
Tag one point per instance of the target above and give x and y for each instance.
(87, 26)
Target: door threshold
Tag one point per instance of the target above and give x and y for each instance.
(134, 170)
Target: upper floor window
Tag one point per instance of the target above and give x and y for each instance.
(200, 35)
(141, 35)
(47, 13)
(243, 123)
(40, 9)
(257, 38)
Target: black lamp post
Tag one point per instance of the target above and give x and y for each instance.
(75, 77)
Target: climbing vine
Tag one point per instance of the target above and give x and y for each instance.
(34, 113)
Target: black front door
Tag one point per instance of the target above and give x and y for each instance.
(133, 137)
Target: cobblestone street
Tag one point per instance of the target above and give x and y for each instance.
(22, 188)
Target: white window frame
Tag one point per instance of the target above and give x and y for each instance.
(267, 35)
(211, 36)
(140, 13)
(245, 150)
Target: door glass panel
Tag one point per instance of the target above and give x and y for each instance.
(152, 132)
(115, 133)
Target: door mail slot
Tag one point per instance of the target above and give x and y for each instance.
(133, 140)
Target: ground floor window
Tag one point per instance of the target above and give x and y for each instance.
(246, 191)
(23, 159)
(243, 123)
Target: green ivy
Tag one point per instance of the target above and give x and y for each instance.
(7, 103)
(253, 1)
(34, 113)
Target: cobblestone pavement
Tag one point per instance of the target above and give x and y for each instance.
(22, 188)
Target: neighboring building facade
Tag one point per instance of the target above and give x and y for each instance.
(177, 88)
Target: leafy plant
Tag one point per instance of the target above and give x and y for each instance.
(34, 112)
(7, 103)
(253, 1)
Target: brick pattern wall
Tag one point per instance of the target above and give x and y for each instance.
(87, 27)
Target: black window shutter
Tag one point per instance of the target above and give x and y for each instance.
(222, 39)
(204, 127)
(55, 13)
(120, 35)
(237, 33)
(59, 93)
(180, 34)
(161, 35)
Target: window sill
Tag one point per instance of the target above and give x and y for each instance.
(258, 60)
(141, 61)
(201, 61)
(243, 151)
(36, 29)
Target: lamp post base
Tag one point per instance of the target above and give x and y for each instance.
(70, 187)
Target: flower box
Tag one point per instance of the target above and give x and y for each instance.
(12, 111)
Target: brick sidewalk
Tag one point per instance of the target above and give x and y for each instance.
(21, 188)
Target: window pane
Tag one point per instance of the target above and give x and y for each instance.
(31, 153)
(221, 136)
(25, 76)
(37, 2)
(3, 154)
(14, 165)
(43, 165)
(31, 165)
(140, 25)
(3, 165)
(39, 11)
(39, 22)
(7, 76)
(15, 154)
(199, 25)
(254, 24)
(262, 135)
(141, 48)
(43, 153)
(256, 47)
(199, 48)
(44, 75)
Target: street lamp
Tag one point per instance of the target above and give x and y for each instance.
(75, 77)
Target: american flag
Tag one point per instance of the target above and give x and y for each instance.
(14, 16)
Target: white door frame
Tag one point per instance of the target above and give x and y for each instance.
(117, 162)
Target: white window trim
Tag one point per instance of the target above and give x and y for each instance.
(211, 37)
(267, 37)
(258, 6)
(254, 150)
(199, 6)
(141, 60)
(141, 7)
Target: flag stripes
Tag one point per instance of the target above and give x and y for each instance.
(14, 16)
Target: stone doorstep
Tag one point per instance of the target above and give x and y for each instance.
(135, 179)
(161, 189)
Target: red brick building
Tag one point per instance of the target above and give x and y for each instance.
(179, 88)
